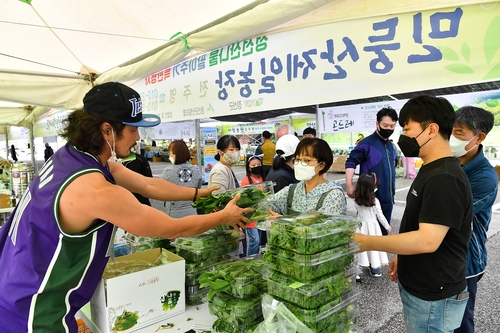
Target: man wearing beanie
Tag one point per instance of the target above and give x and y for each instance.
(58, 239)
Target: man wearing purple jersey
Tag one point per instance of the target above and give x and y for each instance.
(57, 241)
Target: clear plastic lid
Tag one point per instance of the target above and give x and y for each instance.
(338, 282)
(310, 233)
(208, 239)
(223, 303)
(197, 267)
(311, 259)
(199, 255)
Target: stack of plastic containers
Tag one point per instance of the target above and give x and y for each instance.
(202, 253)
(310, 269)
(238, 307)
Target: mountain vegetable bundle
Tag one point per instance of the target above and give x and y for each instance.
(207, 239)
(236, 311)
(314, 233)
(239, 278)
(199, 255)
(125, 321)
(250, 197)
(310, 267)
(312, 294)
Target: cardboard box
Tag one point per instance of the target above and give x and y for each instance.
(157, 159)
(151, 295)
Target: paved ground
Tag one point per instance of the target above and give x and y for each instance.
(380, 305)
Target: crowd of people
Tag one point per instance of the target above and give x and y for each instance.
(96, 183)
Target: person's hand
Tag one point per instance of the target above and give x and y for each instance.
(392, 270)
(351, 190)
(273, 213)
(204, 192)
(389, 230)
(360, 239)
(234, 214)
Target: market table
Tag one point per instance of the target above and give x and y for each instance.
(199, 317)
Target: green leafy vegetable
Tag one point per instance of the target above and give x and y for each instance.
(236, 311)
(250, 197)
(309, 234)
(309, 295)
(197, 297)
(240, 278)
(307, 267)
(200, 255)
(125, 321)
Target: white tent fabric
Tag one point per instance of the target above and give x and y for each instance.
(70, 43)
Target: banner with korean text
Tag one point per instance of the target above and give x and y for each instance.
(331, 62)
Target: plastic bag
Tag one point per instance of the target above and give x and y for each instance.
(278, 319)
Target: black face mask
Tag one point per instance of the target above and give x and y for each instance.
(409, 146)
(256, 170)
(385, 133)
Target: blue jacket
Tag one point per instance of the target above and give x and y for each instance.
(375, 154)
(484, 184)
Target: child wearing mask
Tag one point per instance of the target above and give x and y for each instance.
(254, 175)
(370, 214)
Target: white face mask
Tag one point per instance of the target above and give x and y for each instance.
(113, 152)
(232, 158)
(458, 146)
(304, 172)
(171, 159)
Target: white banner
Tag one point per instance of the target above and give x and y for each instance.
(354, 118)
(172, 131)
(331, 62)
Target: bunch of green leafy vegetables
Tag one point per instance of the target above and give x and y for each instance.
(220, 325)
(250, 197)
(312, 294)
(237, 311)
(240, 278)
(199, 255)
(195, 267)
(207, 239)
(308, 270)
(315, 236)
(125, 321)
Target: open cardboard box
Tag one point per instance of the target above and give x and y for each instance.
(147, 296)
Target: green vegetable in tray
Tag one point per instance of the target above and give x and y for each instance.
(308, 270)
(125, 321)
(237, 311)
(207, 239)
(312, 294)
(309, 234)
(199, 255)
(240, 278)
(249, 198)
(220, 325)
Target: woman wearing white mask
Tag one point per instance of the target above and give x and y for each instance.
(181, 173)
(313, 158)
(228, 154)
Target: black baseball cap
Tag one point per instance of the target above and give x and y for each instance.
(117, 102)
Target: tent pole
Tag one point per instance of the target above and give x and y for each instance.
(32, 147)
(197, 142)
(6, 143)
(318, 133)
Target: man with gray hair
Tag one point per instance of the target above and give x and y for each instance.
(472, 124)
(283, 130)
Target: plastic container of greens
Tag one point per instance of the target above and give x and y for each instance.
(310, 233)
(240, 311)
(208, 239)
(197, 297)
(310, 295)
(308, 267)
(339, 314)
(222, 325)
(195, 267)
(196, 255)
(249, 289)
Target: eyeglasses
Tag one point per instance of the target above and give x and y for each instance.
(304, 162)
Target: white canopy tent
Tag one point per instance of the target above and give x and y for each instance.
(53, 52)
